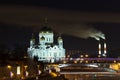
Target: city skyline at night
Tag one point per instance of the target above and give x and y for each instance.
(59, 40)
(20, 19)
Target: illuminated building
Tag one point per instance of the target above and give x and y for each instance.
(47, 50)
(104, 52)
(99, 49)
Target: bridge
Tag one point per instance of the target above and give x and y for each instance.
(89, 68)
(85, 65)
(100, 62)
(91, 60)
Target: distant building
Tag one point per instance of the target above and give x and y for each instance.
(47, 50)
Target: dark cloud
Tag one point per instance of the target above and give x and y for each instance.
(63, 21)
(28, 15)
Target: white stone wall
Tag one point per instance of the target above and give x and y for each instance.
(48, 37)
(50, 54)
(47, 54)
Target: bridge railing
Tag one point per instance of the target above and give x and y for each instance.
(91, 60)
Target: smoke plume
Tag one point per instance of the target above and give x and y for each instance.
(66, 22)
(80, 30)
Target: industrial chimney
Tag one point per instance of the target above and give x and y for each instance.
(105, 48)
(99, 49)
(102, 50)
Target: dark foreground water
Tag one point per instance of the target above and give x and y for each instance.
(92, 77)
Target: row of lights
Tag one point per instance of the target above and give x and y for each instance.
(86, 61)
(81, 56)
(11, 74)
(75, 61)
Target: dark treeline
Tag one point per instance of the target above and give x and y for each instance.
(15, 52)
(18, 51)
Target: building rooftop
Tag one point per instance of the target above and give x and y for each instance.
(46, 29)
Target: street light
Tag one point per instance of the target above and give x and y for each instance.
(86, 61)
(10, 72)
(86, 55)
(81, 56)
(64, 62)
(81, 61)
(114, 61)
(25, 67)
(68, 56)
(9, 67)
(26, 72)
(75, 61)
(39, 71)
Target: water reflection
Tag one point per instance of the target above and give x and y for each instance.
(92, 77)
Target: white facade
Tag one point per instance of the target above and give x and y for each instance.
(46, 50)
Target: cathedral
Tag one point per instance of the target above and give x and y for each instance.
(46, 50)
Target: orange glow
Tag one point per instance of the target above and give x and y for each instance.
(114, 66)
(9, 67)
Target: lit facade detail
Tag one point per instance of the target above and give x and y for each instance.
(47, 50)
(99, 48)
(102, 52)
(105, 51)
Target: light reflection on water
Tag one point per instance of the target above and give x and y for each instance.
(91, 77)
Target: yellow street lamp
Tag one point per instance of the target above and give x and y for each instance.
(39, 71)
(86, 61)
(25, 67)
(68, 56)
(9, 67)
(86, 56)
(10, 72)
(26, 72)
(75, 61)
(64, 62)
(114, 61)
(81, 61)
(81, 56)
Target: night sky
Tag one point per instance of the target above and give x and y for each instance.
(76, 21)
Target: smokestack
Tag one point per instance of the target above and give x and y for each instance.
(105, 48)
(99, 49)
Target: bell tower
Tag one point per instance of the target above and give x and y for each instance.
(60, 41)
(32, 41)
